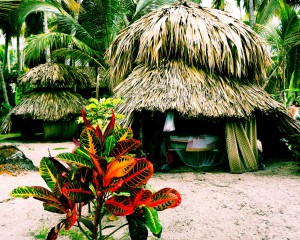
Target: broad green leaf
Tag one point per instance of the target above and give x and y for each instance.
(152, 220)
(75, 159)
(48, 172)
(110, 143)
(137, 229)
(83, 153)
(87, 223)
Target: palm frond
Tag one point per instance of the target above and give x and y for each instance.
(81, 58)
(37, 43)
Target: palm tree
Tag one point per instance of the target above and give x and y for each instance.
(5, 8)
(284, 40)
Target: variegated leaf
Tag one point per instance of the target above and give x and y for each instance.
(75, 159)
(118, 168)
(119, 205)
(90, 141)
(165, 198)
(138, 175)
(152, 220)
(39, 193)
(77, 192)
(122, 147)
(48, 172)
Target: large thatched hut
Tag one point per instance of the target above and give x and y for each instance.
(50, 102)
(205, 67)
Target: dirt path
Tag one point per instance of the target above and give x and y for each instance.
(215, 205)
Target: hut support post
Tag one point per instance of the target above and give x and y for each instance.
(241, 145)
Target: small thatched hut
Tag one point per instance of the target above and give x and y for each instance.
(51, 104)
(206, 67)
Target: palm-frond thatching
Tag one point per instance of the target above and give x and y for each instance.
(192, 92)
(55, 75)
(48, 106)
(198, 36)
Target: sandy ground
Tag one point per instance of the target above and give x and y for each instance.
(215, 205)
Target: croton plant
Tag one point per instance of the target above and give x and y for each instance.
(101, 172)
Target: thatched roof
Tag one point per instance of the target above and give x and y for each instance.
(55, 75)
(48, 106)
(193, 92)
(201, 37)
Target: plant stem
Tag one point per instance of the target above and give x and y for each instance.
(115, 231)
(95, 232)
(83, 231)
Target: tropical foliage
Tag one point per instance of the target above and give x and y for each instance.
(100, 171)
(282, 35)
(98, 112)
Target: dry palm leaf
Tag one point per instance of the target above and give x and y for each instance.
(202, 37)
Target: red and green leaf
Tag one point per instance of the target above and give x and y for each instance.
(165, 198)
(122, 147)
(138, 175)
(85, 120)
(53, 234)
(152, 220)
(71, 218)
(89, 141)
(115, 185)
(56, 208)
(118, 168)
(140, 196)
(99, 163)
(57, 190)
(119, 205)
(77, 192)
(109, 128)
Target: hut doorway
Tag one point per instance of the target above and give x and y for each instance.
(195, 142)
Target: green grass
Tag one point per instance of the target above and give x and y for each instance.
(4, 137)
(60, 148)
(73, 233)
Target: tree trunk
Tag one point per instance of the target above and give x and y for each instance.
(98, 85)
(19, 57)
(6, 62)
(251, 11)
(46, 30)
(3, 84)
